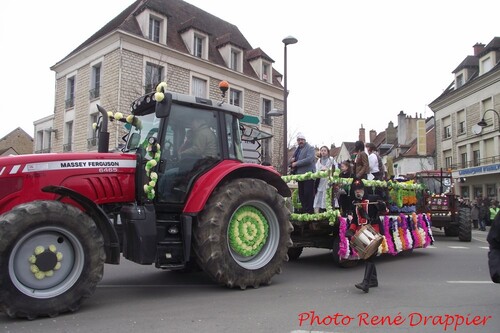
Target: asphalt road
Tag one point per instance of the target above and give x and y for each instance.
(444, 288)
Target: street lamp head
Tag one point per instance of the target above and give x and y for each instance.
(482, 123)
(275, 113)
(289, 40)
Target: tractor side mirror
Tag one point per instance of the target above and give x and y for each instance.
(162, 109)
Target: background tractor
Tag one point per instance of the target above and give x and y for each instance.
(442, 204)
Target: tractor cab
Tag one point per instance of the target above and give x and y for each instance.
(191, 134)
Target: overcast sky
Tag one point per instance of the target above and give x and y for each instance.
(356, 62)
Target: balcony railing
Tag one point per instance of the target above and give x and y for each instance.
(42, 151)
(70, 102)
(480, 162)
(95, 93)
(67, 147)
(91, 143)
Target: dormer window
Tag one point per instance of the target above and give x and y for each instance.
(459, 80)
(198, 44)
(486, 64)
(153, 26)
(154, 29)
(235, 60)
(266, 72)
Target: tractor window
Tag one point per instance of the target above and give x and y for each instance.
(189, 148)
(233, 137)
(144, 127)
(435, 185)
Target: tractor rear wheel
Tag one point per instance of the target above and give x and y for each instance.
(51, 259)
(242, 236)
(464, 224)
(294, 253)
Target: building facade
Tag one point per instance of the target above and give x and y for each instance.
(153, 41)
(471, 151)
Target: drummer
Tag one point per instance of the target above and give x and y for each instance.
(365, 209)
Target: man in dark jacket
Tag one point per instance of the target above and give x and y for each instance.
(304, 160)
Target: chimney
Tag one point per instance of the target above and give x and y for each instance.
(391, 134)
(362, 134)
(373, 135)
(421, 138)
(478, 48)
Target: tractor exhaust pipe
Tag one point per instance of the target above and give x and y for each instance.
(103, 145)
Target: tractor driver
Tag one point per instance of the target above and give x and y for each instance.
(203, 142)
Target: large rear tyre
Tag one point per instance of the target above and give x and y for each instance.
(464, 225)
(294, 253)
(242, 236)
(51, 259)
(451, 231)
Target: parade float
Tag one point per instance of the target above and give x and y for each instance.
(401, 227)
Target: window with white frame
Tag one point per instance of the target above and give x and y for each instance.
(199, 87)
(485, 105)
(92, 136)
(70, 92)
(266, 108)
(448, 162)
(39, 141)
(68, 136)
(235, 60)
(235, 97)
(95, 85)
(198, 43)
(154, 29)
(447, 132)
(153, 76)
(459, 80)
(461, 122)
(486, 64)
(463, 160)
(266, 71)
(476, 157)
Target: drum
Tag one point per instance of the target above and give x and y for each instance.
(366, 241)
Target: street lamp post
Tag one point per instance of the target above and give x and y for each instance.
(287, 41)
(483, 123)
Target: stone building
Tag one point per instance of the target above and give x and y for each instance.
(468, 124)
(17, 142)
(153, 41)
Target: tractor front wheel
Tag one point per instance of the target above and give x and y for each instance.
(51, 258)
(242, 236)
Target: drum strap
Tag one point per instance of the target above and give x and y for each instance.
(362, 212)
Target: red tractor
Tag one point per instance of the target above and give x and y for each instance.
(442, 204)
(63, 216)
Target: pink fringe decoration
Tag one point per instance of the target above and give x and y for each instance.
(388, 238)
(404, 226)
(417, 242)
(424, 224)
(343, 240)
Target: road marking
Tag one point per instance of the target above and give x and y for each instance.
(484, 247)
(470, 282)
(152, 285)
(458, 247)
(302, 331)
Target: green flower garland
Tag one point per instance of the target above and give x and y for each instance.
(248, 231)
(149, 187)
(40, 275)
(331, 214)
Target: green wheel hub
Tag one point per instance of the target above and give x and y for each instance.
(248, 231)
